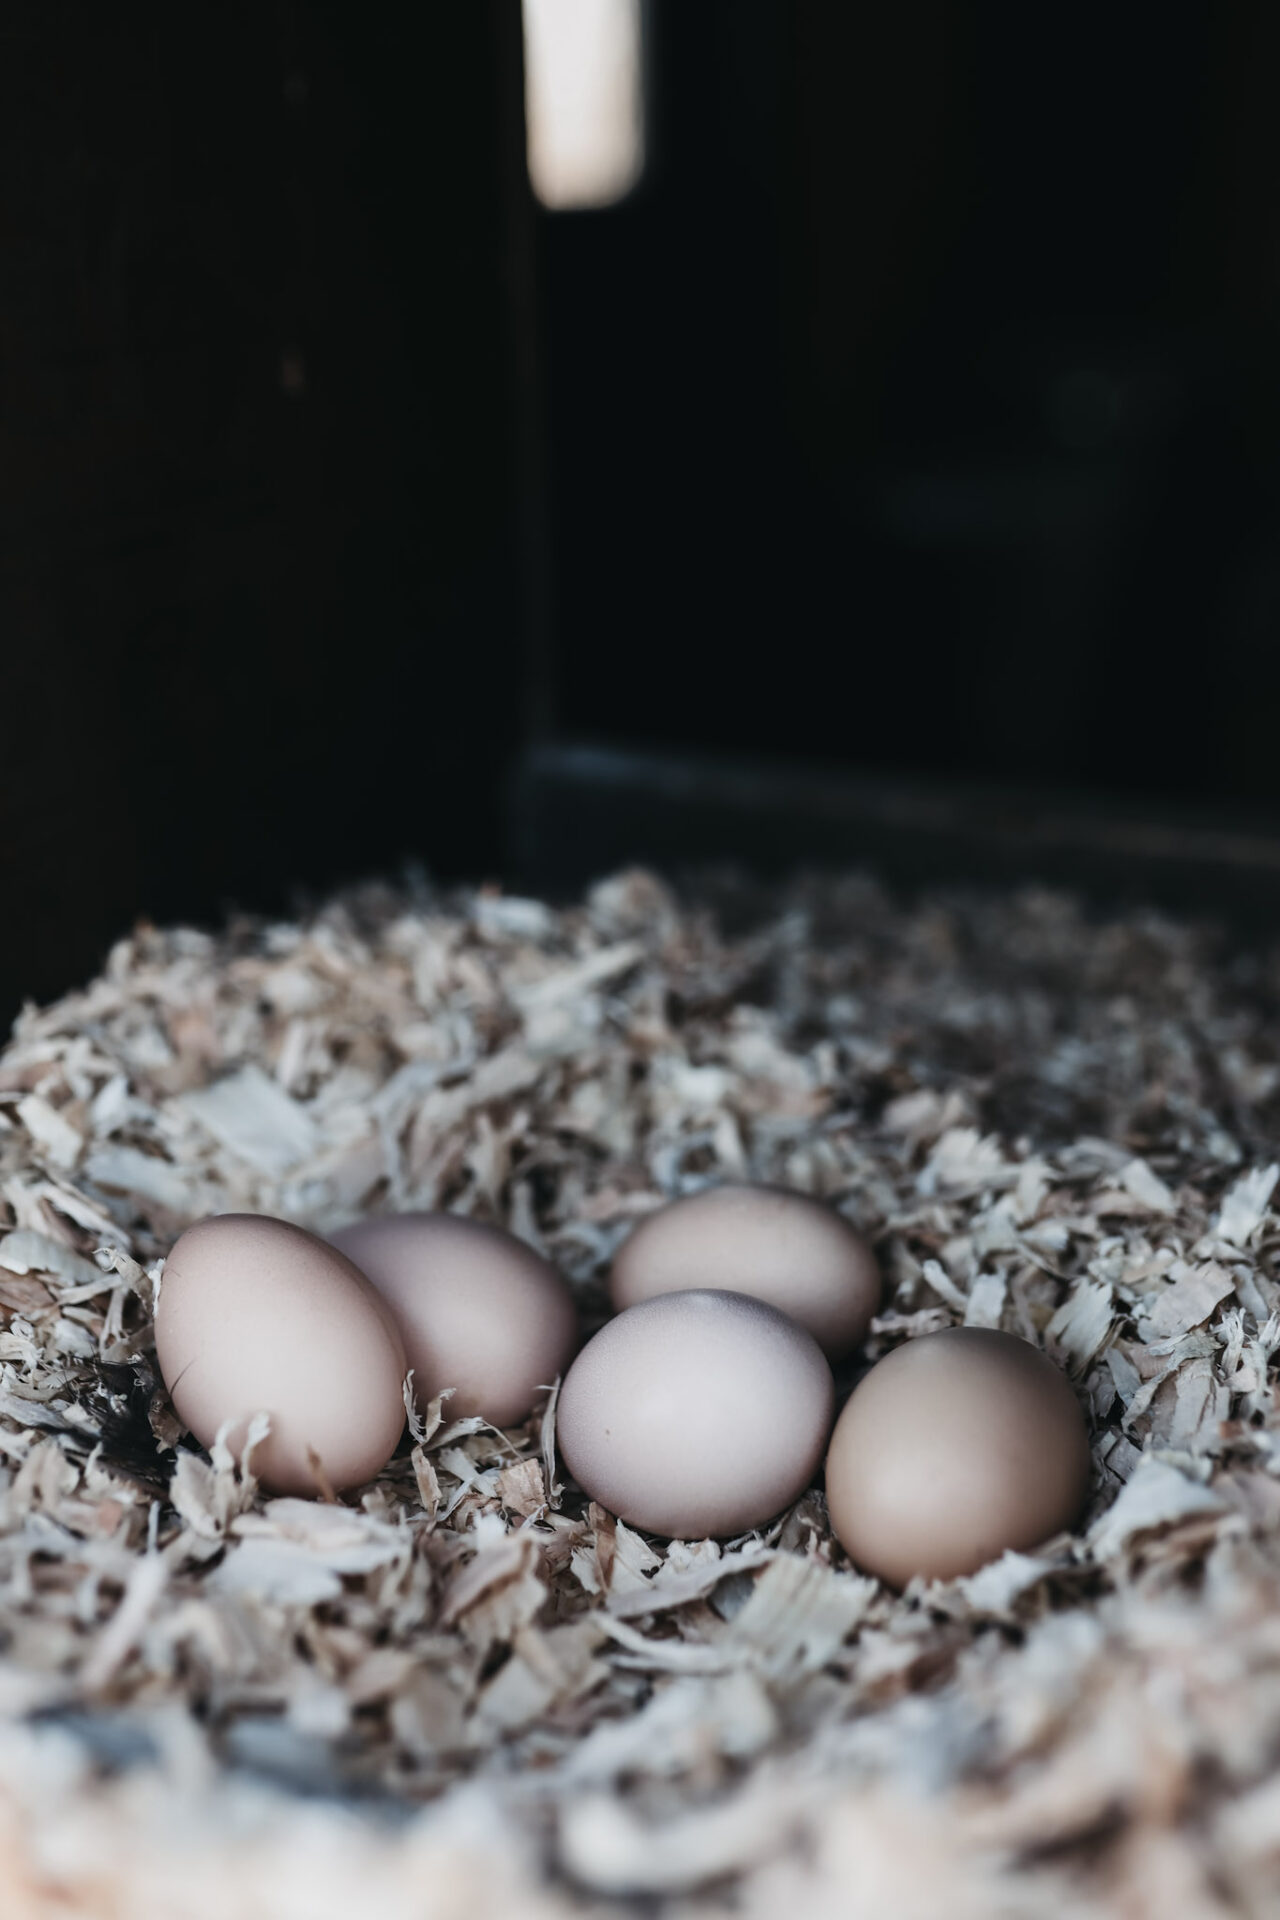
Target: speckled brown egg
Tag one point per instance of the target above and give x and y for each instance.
(258, 1316)
(696, 1414)
(784, 1248)
(478, 1310)
(953, 1449)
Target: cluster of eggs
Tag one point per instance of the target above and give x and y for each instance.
(702, 1408)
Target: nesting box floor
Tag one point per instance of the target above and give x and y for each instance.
(466, 1692)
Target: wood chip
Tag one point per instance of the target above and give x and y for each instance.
(1189, 1301)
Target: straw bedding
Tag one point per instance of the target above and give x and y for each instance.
(464, 1691)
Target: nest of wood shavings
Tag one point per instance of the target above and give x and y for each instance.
(466, 1692)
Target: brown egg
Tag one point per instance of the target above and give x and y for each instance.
(696, 1414)
(797, 1254)
(477, 1309)
(258, 1316)
(954, 1448)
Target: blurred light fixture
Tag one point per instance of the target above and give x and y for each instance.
(584, 100)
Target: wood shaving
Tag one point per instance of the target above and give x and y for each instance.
(466, 1689)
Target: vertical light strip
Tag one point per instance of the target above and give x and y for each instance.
(584, 104)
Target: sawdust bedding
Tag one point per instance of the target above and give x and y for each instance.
(466, 1693)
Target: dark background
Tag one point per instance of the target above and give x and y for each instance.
(894, 475)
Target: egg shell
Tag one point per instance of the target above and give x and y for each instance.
(792, 1251)
(255, 1316)
(956, 1447)
(696, 1414)
(477, 1309)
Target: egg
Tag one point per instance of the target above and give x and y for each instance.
(784, 1248)
(478, 1310)
(697, 1413)
(257, 1316)
(957, 1446)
